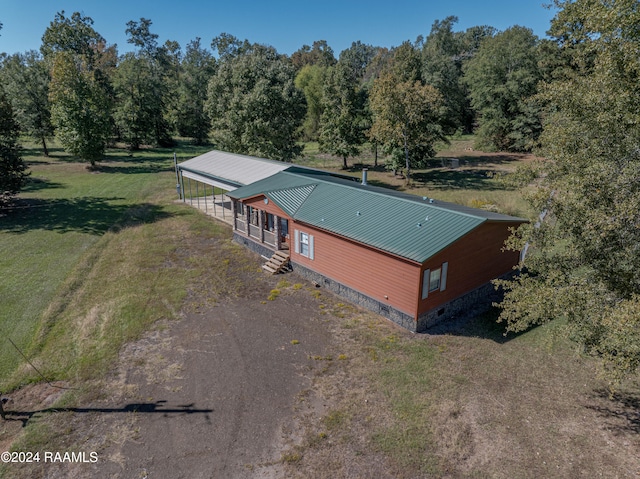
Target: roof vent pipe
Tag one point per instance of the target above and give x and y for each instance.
(364, 176)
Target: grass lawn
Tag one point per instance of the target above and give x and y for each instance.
(53, 241)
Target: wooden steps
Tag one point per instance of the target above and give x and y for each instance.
(278, 263)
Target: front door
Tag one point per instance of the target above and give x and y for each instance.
(284, 233)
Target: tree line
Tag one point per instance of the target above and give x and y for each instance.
(574, 97)
(246, 97)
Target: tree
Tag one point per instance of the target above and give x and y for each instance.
(229, 46)
(79, 107)
(406, 120)
(311, 80)
(12, 168)
(198, 66)
(357, 58)
(405, 63)
(502, 77)
(80, 91)
(344, 119)
(144, 96)
(138, 105)
(444, 54)
(320, 54)
(75, 34)
(255, 106)
(584, 264)
(26, 80)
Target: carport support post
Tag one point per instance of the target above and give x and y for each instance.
(184, 199)
(190, 195)
(234, 213)
(214, 201)
(197, 194)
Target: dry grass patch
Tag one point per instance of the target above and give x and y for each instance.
(469, 404)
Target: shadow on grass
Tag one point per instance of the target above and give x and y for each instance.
(457, 180)
(37, 184)
(37, 152)
(157, 407)
(622, 409)
(494, 159)
(142, 167)
(483, 325)
(85, 215)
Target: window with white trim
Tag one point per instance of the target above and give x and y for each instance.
(434, 280)
(303, 243)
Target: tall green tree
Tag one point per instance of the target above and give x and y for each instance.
(584, 261)
(406, 120)
(254, 105)
(72, 34)
(145, 86)
(79, 107)
(198, 66)
(137, 103)
(444, 54)
(502, 77)
(344, 121)
(405, 63)
(26, 79)
(311, 81)
(358, 58)
(80, 91)
(13, 170)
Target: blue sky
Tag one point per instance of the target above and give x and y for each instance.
(283, 24)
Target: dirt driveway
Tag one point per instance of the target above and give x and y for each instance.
(217, 394)
(231, 377)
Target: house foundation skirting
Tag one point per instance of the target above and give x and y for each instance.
(253, 245)
(468, 305)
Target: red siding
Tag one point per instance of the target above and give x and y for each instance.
(271, 207)
(386, 278)
(473, 261)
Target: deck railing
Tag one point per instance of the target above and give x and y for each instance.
(254, 231)
(241, 225)
(270, 238)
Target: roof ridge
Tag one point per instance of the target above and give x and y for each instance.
(390, 194)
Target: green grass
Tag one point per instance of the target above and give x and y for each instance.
(478, 182)
(74, 243)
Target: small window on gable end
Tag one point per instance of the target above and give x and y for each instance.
(434, 279)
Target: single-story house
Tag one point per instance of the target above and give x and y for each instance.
(412, 259)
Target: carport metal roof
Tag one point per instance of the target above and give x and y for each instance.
(229, 170)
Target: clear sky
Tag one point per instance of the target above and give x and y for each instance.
(283, 24)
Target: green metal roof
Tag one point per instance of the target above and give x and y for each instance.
(409, 226)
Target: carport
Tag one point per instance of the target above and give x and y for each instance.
(203, 181)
